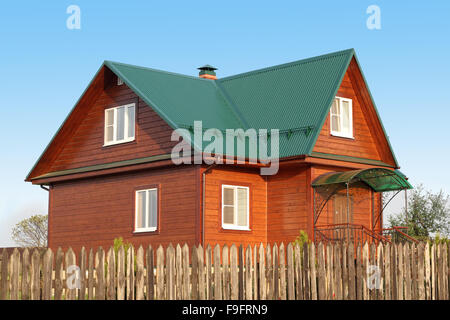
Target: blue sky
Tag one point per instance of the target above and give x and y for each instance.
(45, 67)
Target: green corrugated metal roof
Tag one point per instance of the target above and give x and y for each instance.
(294, 98)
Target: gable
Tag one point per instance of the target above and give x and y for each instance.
(79, 142)
(369, 140)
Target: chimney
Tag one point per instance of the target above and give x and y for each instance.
(207, 72)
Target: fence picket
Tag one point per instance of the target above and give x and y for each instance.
(35, 276)
(262, 273)
(290, 273)
(282, 272)
(25, 275)
(139, 273)
(91, 283)
(82, 289)
(225, 273)
(170, 272)
(248, 274)
(150, 293)
(186, 274)
(160, 273)
(201, 273)
(217, 274)
(269, 274)
(121, 273)
(195, 273)
(100, 274)
(234, 295)
(179, 272)
(298, 273)
(15, 274)
(71, 275)
(47, 269)
(312, 266)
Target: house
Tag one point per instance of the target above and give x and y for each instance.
(109, 169)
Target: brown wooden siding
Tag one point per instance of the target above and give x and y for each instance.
(287, 207)
(213, 210)
(92, 212)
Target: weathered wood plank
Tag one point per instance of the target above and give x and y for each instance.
(351, 272)
(427, 268)
(269, 273)
(298, 273)
(15, 274)
(140, 284)
(59, 277)
(208, 266)
(433, 272)
(234, 273)
(91, 275)
(186, 275)
(255, 276)
(225, 273)
(306, 273)
(344, 271)
(329, 270)
(47, 268)
(359, 274)
(387, 271)
(179, 272)
(276, 272)
(312, 266)
(25, 275)
(72, 275)
(150, 292)
(35, 278)
(407, 274)
(248, 274)
(121, 273)
(262, 273)
(201, 273)
(100, 274)
(337, 261)
(170, 272)
(381, 267)
(241, 272)
(321, 272)
(282, 272)
(366, 263)
(217, 274)
(83, 268)
(195, 273)
(4, 283)
(290, 273)
(130, 279)
(420, 272)
(160, 293)
(400, 271)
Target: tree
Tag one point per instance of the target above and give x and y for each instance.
(427, 214)
(31, 232)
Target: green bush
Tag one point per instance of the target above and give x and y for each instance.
(301, 239)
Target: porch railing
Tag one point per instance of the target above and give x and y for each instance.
(347, 232)
(397, 234)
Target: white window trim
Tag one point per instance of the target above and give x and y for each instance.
(350, 111)
(228, 226)
(150, 229)
(115, 141)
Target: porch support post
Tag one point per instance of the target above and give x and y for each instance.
(406, 206)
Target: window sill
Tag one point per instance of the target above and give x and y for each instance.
(236, 228)
(118, 142)
(342, 136)
(145, 230)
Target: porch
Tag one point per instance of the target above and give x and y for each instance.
(348, 206)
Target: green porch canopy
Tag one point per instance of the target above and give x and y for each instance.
(378, 179)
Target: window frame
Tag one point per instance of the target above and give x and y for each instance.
(228, 226)
(350, 112)
(146, 189)
(126, 139)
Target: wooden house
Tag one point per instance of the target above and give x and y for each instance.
(109, 170)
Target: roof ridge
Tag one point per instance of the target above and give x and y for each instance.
(156, 70)
(288, 64)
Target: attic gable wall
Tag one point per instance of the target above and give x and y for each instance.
(369, 141)
(85, 146)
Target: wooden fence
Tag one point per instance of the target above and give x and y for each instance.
(326, 271)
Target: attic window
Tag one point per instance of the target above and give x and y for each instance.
(341, 118)
(119, 124)
(119, 81)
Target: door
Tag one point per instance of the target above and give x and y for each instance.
(341, 216)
